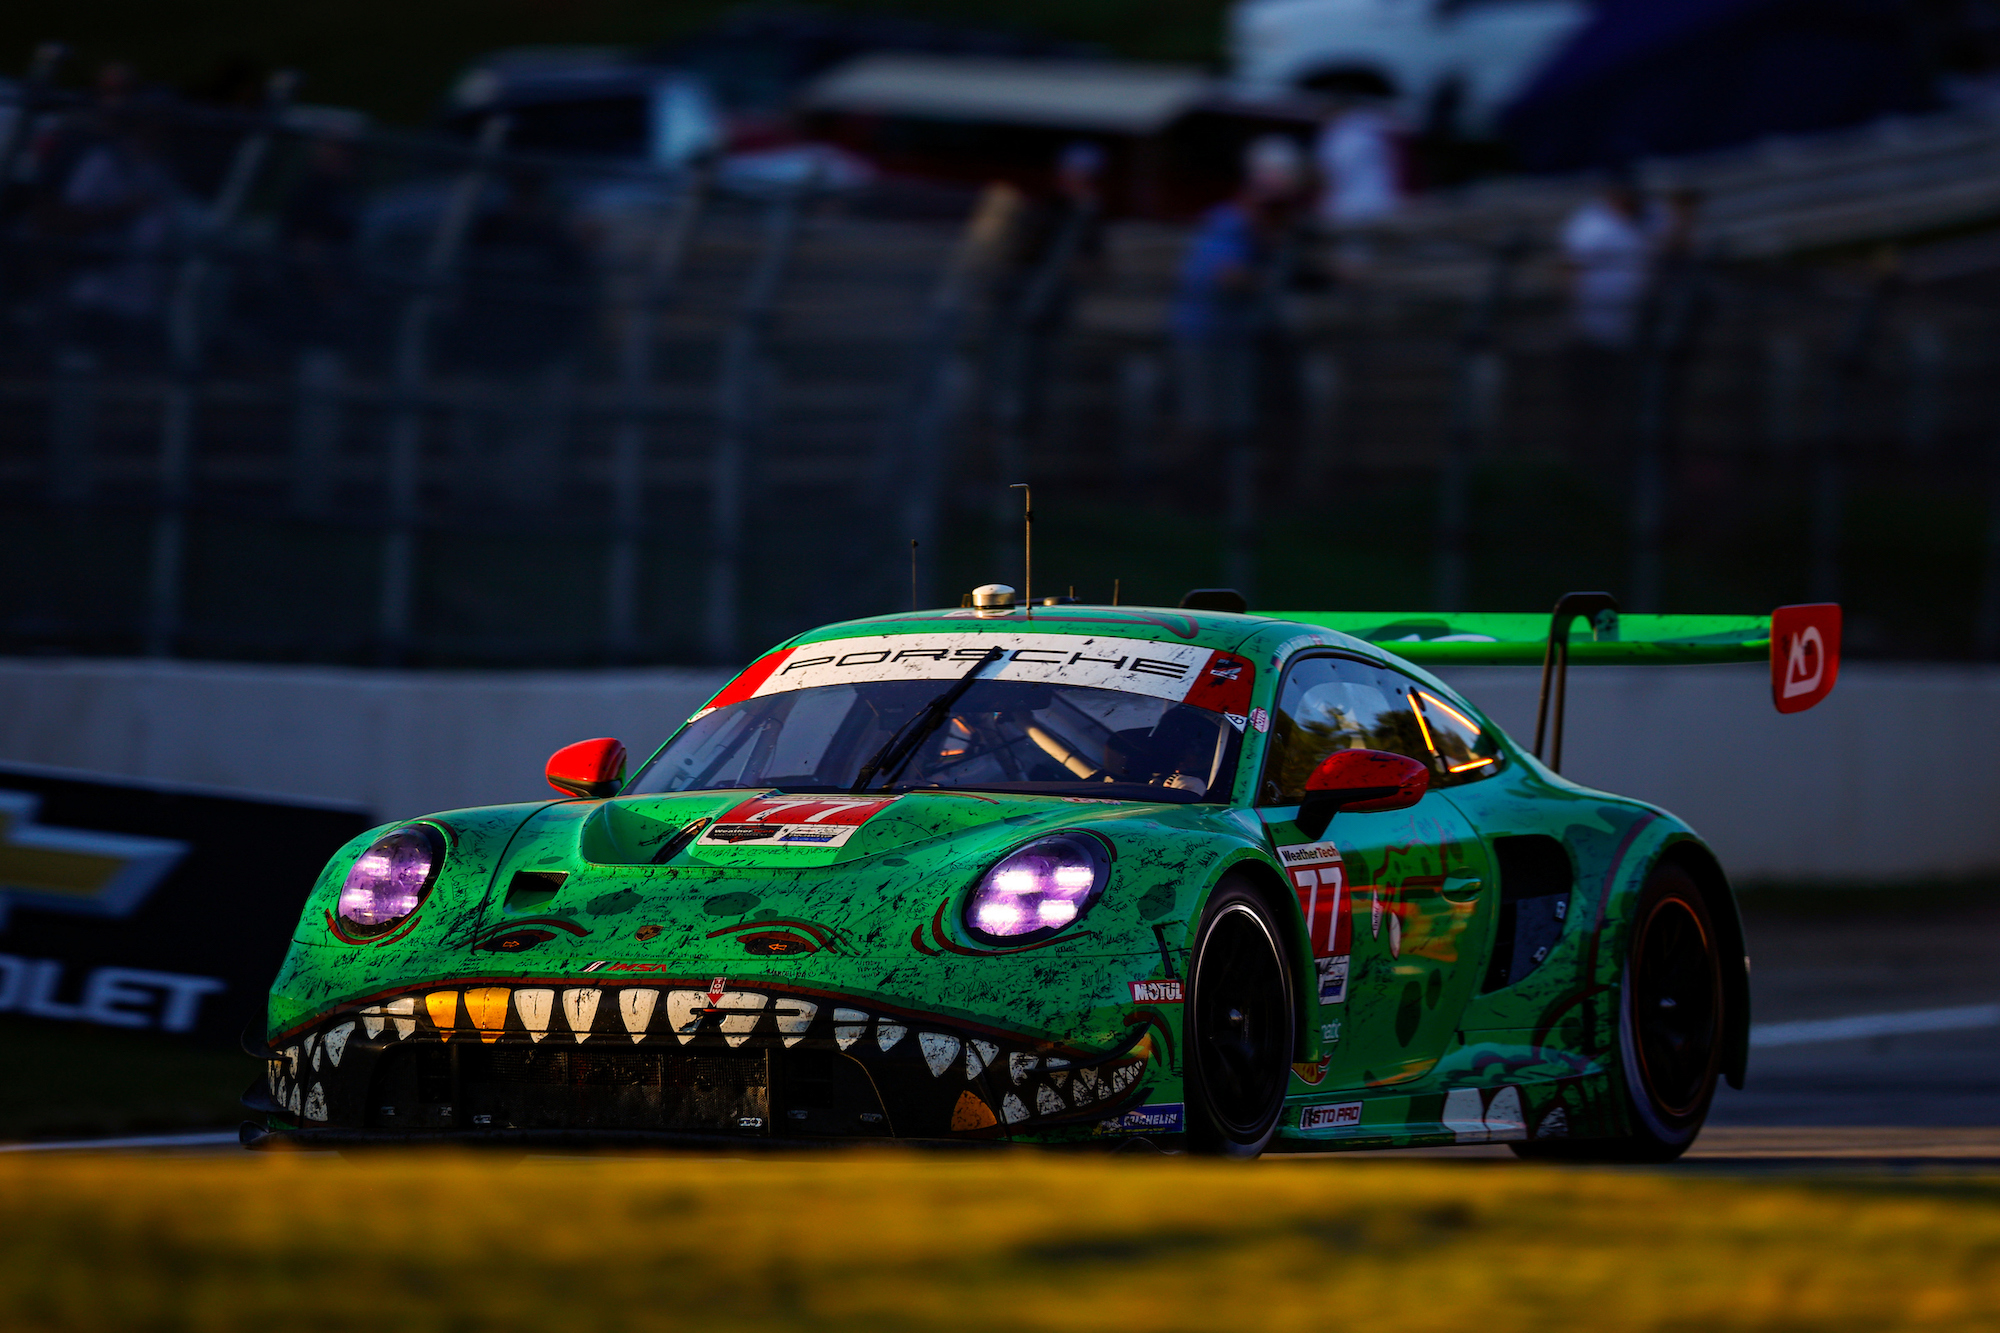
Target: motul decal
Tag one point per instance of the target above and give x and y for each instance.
(1180, 672)
(1157, 992)
(793, 821)
(1805, 654)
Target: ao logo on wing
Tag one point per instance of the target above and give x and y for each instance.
(1805, 655)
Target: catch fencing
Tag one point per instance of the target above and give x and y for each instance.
(279, 384)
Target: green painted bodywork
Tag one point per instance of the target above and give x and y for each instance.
(1510, 638)
(1420, 1051)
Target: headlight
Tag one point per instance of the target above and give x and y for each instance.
(1038, 890)
(390, 879)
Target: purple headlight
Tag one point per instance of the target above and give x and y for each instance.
(389, 880)
(1039, 890)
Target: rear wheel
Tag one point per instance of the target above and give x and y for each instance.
(1239, 1026)
(1670, 1029)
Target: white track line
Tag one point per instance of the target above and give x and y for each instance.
(1876, 1025)
(210, 1140)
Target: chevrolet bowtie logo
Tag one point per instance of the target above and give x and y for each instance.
(75, 870)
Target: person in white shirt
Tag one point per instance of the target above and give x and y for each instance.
(1359, 158)
(1610, 245)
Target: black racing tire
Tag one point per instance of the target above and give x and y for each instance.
(1239, 1029)
(1671, 1024)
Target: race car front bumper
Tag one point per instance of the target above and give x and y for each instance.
(620, 1062)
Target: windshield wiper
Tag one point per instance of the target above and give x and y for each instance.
(907, 737)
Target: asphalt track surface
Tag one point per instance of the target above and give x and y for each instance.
(1876, 1047)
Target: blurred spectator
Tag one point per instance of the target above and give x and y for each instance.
(1609, 245)
(1229, 284)
(1055, 245)
(317, 228)
(526, 287)
(112, 213)
(1360, 160)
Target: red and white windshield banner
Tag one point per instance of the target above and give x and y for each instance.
(1218, 681)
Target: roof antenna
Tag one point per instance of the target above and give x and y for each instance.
(913, 574)
(1027, 546)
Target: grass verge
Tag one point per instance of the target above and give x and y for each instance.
(1017, 1241)
(67, 1079)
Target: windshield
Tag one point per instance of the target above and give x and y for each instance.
(1001, 735)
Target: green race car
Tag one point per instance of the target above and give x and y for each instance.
(1053, 874)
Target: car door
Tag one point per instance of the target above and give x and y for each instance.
(1398, 902)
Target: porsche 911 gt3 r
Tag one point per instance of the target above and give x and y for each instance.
(1053, 874)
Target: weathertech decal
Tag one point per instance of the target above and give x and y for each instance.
(1337, 1115)
(793, 821)
(1220, 682)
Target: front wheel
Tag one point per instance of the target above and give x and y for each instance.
(1239, 1026)
(1670, 1029)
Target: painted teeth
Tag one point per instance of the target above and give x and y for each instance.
(372, 1020)
(1048, 1101)
(533, 1006)
(794, 1018)
(316, 1103)
(486, 1006)
(1020, 1064)
(1087, 1088)
(939, 1051)
(404, 1009)
(312, 1049)
(443, 1009)
(1505, 1117)
(849, 1026)
(682, 1019)
(336, 1043)
(1012, 1109)
(978, 1055)
(888, 1034)
(636, 1007)
(736, 1028)
(580, 1008)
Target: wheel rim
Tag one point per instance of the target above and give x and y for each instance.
(1676, 1003)
(1241, 1022)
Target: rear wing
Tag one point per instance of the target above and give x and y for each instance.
(1801, 643)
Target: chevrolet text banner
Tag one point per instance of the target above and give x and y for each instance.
(152, 908)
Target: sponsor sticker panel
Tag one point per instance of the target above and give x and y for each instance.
(1184, 673)
(1158, 1118)
(1331, 1115)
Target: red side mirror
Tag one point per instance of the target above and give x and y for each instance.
(1360, 780)
(590, 769)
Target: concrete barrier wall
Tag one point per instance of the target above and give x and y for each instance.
(1893, 778)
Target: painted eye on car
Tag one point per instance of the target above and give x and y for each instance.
(1038, 890)
(389, 880)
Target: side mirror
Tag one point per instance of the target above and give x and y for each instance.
(1360, 780)
(590, 769)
